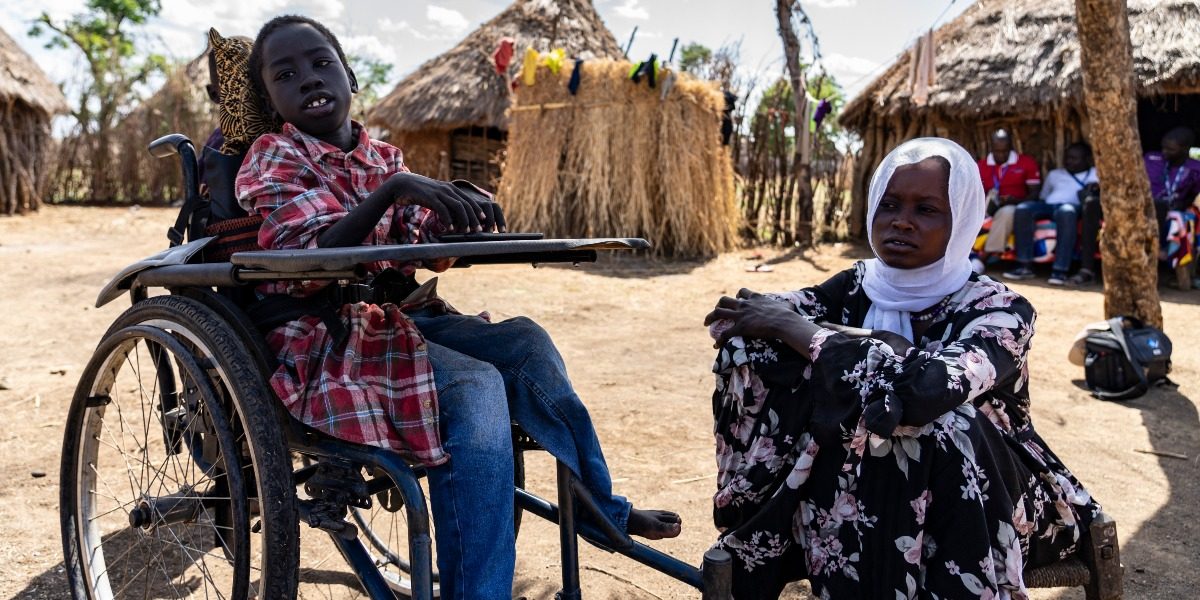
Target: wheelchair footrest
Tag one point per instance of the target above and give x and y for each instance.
(328, 517)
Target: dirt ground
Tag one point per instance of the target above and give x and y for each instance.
(632, 337)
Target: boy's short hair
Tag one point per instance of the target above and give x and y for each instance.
(256, 58)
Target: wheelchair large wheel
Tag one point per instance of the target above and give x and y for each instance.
(174, 476)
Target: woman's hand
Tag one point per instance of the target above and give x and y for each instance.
(458, 210)
(897, 342)
(754, 315)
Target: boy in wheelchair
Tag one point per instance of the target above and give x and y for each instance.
(403, 370)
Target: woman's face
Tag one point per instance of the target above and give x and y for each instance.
(913, 220)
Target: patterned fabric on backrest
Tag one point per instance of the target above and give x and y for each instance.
(242, 114)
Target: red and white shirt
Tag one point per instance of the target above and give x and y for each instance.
(376, 387)
(1013, 177)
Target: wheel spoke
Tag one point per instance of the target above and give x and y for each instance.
(133, 485)
(120, 507)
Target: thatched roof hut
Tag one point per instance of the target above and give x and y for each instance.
(28, 100)
(1015, 64)
(449, 115)
(181, 105)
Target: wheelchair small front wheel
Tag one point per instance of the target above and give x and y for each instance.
(166, 463)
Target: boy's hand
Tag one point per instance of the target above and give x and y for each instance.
(493, 216)
(457, 209)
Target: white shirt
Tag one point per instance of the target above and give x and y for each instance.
(1062, 187)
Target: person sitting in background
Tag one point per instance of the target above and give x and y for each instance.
(1059, 200)
(1089, 234)
(1174, 178)
(1008, 178)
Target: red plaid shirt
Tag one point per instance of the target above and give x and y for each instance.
(376, 388)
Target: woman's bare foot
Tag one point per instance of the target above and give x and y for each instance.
(654, 524)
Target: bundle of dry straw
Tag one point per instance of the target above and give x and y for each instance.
(618, 159)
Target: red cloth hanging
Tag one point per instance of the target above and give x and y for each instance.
(502, 57)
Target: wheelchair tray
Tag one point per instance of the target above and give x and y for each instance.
(498, 252)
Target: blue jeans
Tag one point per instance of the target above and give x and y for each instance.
(477, 365)
(1066, 219)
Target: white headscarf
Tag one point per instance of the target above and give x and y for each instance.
(895, 293)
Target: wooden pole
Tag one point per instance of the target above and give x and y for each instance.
(1129, 246)
(802, 226)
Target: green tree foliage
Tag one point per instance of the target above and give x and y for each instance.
(774, 112)
(720, 65)
(102, 33)
(768, 207)
(371, 74)
(694, 57)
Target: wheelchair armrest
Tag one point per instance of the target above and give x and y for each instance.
(171, 144)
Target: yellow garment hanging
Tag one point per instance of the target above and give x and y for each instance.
(529, 67)
(554, 59)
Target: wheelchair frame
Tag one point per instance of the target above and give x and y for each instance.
(177, 270)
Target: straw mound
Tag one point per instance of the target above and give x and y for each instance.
(618, 160)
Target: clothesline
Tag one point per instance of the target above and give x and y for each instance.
(558, 105)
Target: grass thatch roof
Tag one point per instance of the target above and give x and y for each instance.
(21, 79)
(461, 88)
(1013, 57)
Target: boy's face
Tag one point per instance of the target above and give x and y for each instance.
(307, 84)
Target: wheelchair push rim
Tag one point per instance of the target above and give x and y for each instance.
(153, 485)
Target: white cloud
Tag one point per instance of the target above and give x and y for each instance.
(446, 17)
(631, 10)
(387, 25)
(830, 3)
(183, 24)
(840, 64)
(369, 46)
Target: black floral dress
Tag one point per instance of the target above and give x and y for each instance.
(879, 475)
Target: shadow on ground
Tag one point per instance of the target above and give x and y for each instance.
(1154, 569)
(627, 265)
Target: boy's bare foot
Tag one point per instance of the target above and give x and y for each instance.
(654, 524)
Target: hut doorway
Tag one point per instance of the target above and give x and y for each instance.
(1159, 114)
(475, 155)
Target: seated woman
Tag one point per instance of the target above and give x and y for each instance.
(873, 432)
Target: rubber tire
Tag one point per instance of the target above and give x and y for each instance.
(254, 410)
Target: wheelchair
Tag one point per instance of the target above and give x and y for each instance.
(182, 474)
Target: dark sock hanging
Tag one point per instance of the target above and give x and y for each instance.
(573, 84)
(646, 69)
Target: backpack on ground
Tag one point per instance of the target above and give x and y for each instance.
(1123, 361)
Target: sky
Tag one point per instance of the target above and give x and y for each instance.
(858, 38)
